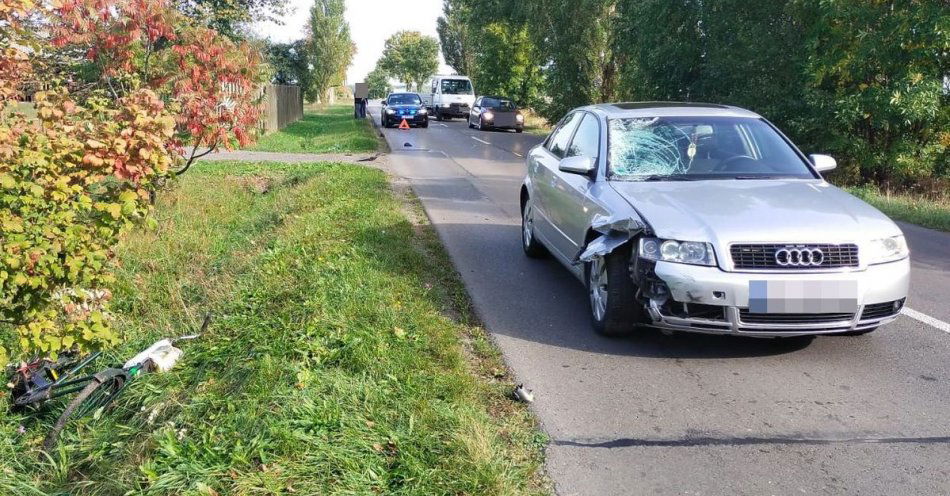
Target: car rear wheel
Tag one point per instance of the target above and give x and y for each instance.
(615, 311)
(532, 247)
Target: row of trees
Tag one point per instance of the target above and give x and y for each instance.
(127, 94)
(866, 81)
(317, 62)
(409, 57)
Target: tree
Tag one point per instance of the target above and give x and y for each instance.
(411, 57)
(506, 63)
(289, 63)
(329, 47)
(455, 37)
(378, 83)
(227, 16)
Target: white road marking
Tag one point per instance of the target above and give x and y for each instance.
(926, 319)
(518, 154)
(480, 141)
(444, 125)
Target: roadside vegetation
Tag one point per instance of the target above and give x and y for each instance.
(863, 81)
(932, 213)
(342, 359)
(330, 129)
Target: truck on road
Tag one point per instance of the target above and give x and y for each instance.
(449, 96)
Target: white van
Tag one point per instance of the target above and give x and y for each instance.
(449, 96)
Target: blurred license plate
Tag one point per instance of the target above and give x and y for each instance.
(803, 296)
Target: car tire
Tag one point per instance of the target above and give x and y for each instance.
(614, 309)
(438, 114)
(519, 130)
(424, 125)
(529, 242)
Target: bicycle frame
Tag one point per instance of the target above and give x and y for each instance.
(40, 389)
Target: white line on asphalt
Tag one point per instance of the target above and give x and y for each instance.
(518, 154)
(926, 319)
(444, 125)
(480, 141)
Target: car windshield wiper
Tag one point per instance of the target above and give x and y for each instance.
(761, 176)
(660, 177)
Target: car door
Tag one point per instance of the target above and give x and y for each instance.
(476, 110)
(570, 208)
(548, 201)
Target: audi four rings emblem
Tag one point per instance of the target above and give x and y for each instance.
(799, 257)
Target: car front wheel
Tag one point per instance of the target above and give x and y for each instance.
(615, 311)
(532, 247)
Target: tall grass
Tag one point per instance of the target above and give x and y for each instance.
(324, 130)
(341, 360)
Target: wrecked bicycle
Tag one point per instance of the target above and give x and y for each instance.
(41, 380)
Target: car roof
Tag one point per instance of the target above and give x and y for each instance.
(493, 97)
(404, 93)
(668, 109)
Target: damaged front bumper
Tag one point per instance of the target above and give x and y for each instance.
(710, 300)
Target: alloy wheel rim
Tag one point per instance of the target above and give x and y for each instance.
(526, 227)
(597, 281)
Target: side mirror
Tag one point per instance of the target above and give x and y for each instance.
(577, 165)
(823, 163)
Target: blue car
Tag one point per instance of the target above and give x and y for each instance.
(408, 106)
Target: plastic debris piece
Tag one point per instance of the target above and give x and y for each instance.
(163, 356)
(523, 394)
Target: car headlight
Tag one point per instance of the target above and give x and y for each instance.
(423, 111)
(390, 111)
(519, 118)
(685, 252)
(488, 116)
(888, 250)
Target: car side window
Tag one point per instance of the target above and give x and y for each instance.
(557, 145)
(586, 142)
(478, 102)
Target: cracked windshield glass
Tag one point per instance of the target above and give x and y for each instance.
(686, 148)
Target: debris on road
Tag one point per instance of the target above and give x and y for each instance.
(523, 394)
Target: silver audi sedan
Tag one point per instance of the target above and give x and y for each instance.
(706, 218)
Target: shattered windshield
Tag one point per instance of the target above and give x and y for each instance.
(657, 148)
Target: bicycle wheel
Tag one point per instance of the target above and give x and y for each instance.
(105, 386)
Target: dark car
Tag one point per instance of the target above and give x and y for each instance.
(408, 106)
(492, 112)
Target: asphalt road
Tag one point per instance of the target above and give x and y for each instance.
(689, 414)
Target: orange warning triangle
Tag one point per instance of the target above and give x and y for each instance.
(404, 124)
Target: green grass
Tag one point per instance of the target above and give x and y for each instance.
(921, 211)
(26, 109)
(343, 358)
(330, 130)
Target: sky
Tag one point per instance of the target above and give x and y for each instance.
(371, 23)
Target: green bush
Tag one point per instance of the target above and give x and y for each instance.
(70, 183)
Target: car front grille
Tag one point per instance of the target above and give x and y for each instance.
(748, 317)
(763, 256)
(882, 310)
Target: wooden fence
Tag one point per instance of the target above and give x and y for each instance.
(282, 105)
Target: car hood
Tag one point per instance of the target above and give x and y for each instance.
(405, 107)
(767, 211)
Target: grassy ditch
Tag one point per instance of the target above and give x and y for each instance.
(916, 210)
(343, 358)
(329, 130)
